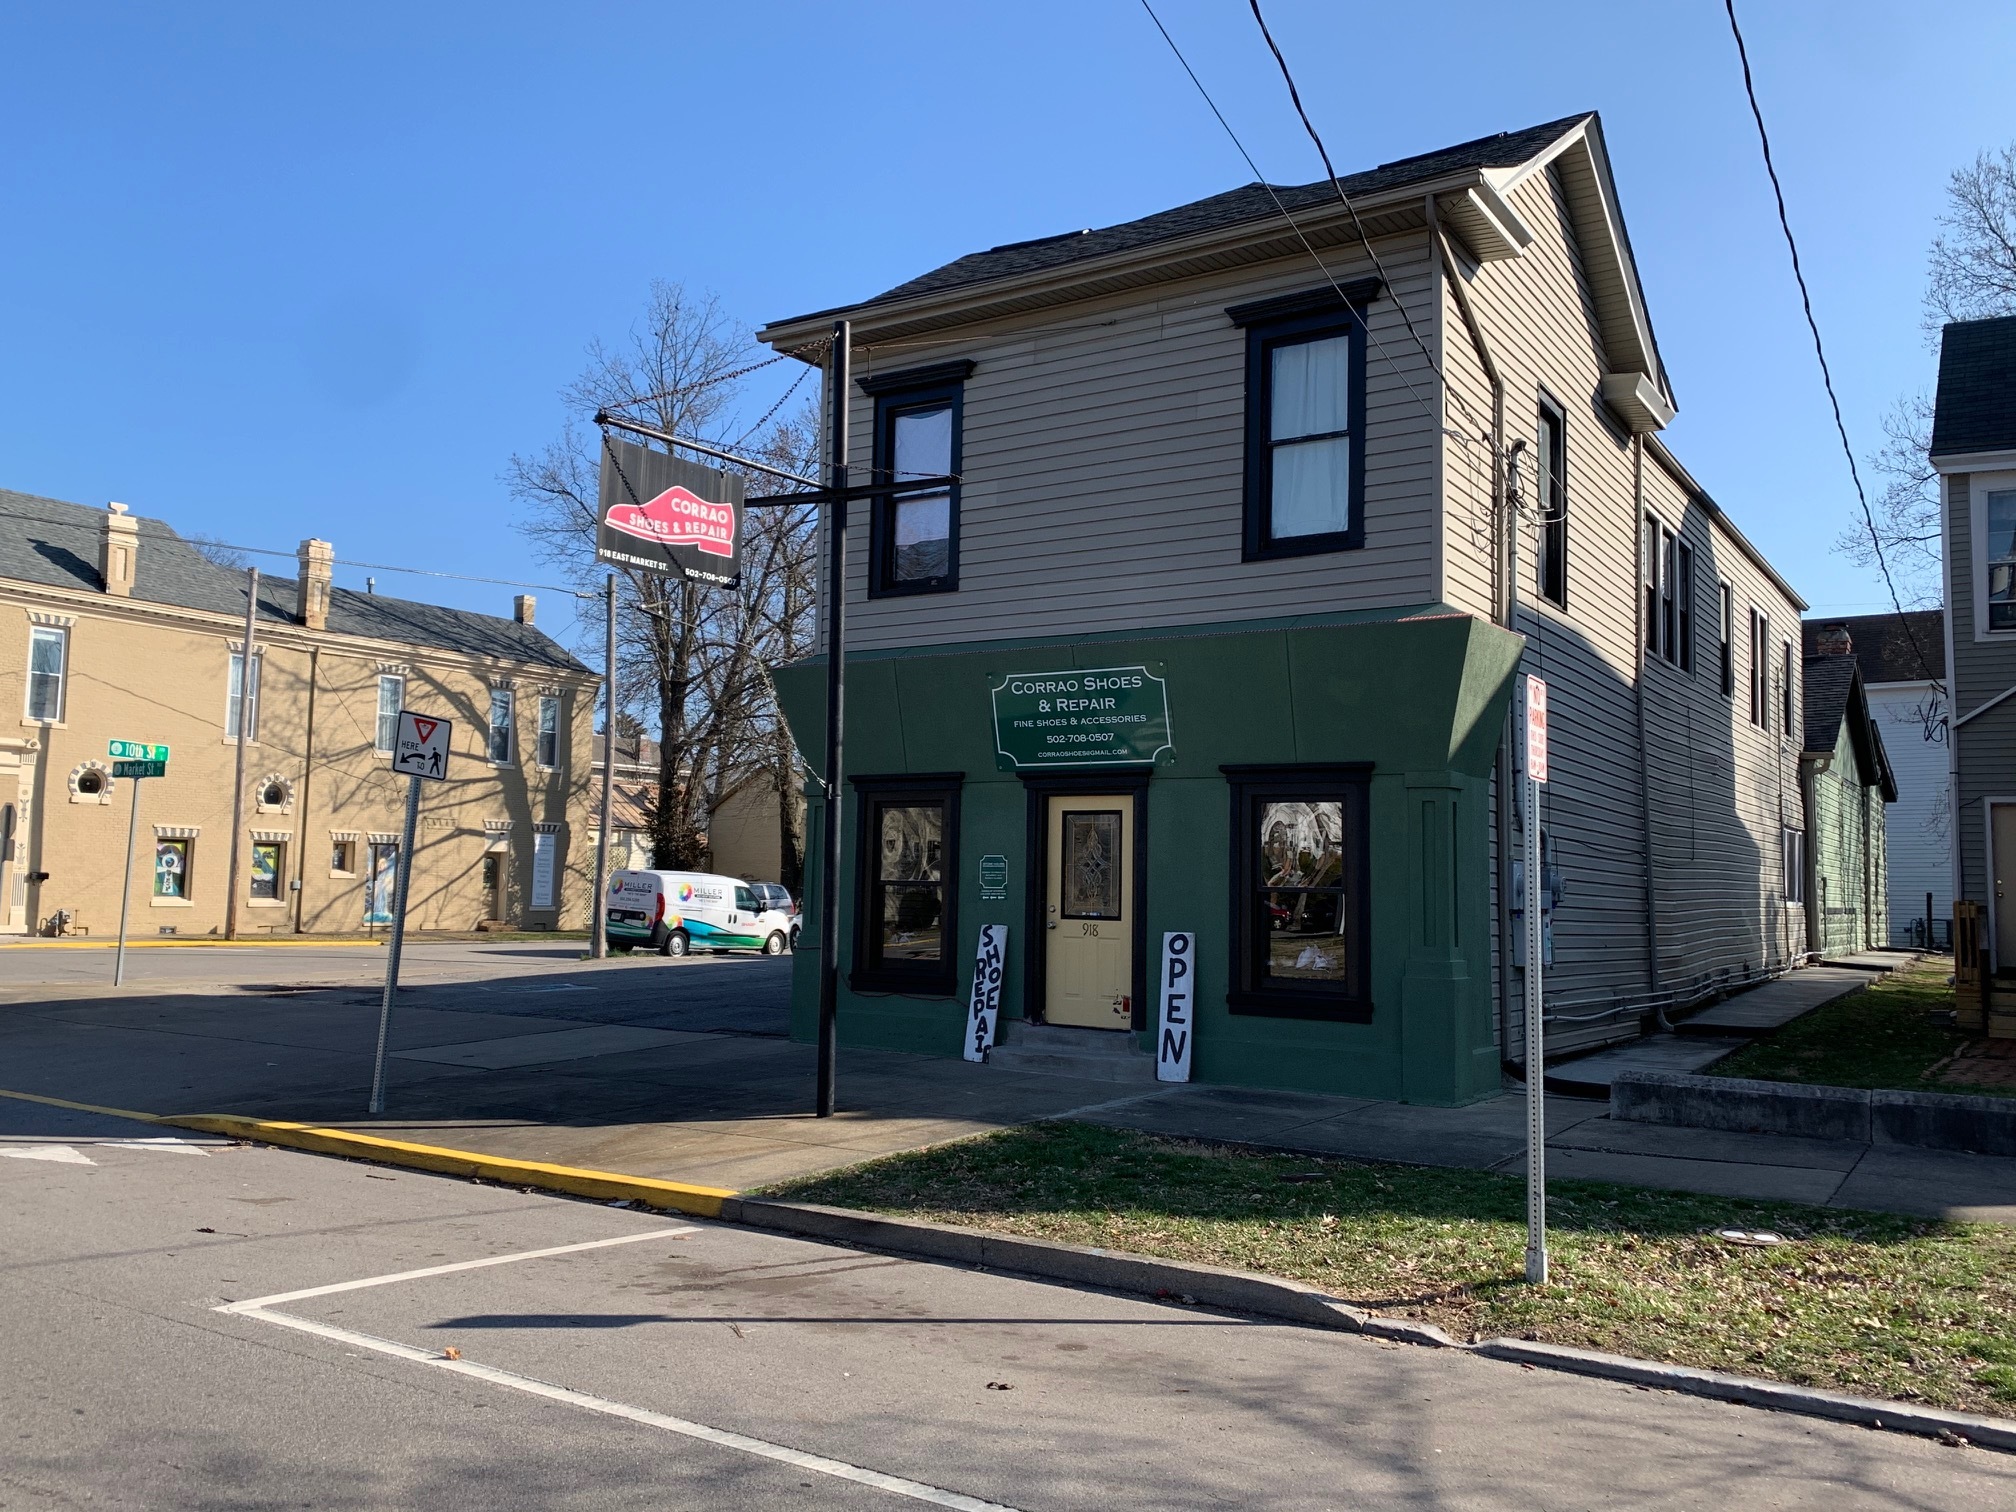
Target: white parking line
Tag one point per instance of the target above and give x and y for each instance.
(261, 1309)
(254, 1304)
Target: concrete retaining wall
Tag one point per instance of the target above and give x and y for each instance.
(1928, 1120)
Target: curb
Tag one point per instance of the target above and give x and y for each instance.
(572, 1181)
(190, 944)
(1175, 1281)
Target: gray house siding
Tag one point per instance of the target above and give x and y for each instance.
(1103, 452)
(1982, 667)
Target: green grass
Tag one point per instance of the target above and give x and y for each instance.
(1867, 1303)
(1882, 1036)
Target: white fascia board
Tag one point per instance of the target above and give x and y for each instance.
(1486, 222)
(1960, 462)
(1639, 400)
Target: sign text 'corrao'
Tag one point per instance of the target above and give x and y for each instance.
(1090, 716)
(664, 514)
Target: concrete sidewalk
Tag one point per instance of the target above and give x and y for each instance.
(679, 1071)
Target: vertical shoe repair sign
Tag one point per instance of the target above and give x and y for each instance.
(667, 515)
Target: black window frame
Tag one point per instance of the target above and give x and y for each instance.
(1291, 320)
(1683, 597)
(1760, 668)
(870, 973)
(1787, 672)
(895, 394)
(1725, 609)
(1248, 991)
(1792, 861)
(1550, 493)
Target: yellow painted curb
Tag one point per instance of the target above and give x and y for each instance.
(680, 1196)
(194, 944)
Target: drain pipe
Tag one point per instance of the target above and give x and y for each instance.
(1502, 594)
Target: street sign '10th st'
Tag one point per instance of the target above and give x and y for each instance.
(135, 750)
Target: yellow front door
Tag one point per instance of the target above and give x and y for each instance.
(1089, 913)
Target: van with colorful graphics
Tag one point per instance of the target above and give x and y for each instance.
(674, 913)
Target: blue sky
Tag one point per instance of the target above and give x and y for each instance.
(273, 271)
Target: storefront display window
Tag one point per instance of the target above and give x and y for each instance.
(906, 929)
(1300, 876)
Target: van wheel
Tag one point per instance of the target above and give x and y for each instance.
(676, 944)
(774, 945)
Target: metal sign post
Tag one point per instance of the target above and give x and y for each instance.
(1536, 1049)
(420, 751)
(135, 759)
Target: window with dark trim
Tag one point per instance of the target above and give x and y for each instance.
(1683, 597)
(1305, 399)
(1760, 670)
(1792, 857)
(1787, 725)
(913, 538)
(1726, 633)
(1301, 864)
(906, 918)
(1550, 490)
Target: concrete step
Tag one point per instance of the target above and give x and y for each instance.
(1057, 1050)
(1591, 1075)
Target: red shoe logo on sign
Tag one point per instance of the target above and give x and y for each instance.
(679, 517)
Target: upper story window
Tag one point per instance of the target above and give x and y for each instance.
(242, 704)
(1725, 632)
(502, 702)
(1999, 553)
(1668, 570)
(549, 731)
(1760, 670)
(1550, 461)
(913, 538)
(48, 659)
(1305, 392)
(391, 699)
(1786, 669)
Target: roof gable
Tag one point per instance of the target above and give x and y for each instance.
(1835, 705)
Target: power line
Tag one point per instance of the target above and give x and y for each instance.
(1296, 226)
(1820, 351)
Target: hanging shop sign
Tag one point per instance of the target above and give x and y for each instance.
(1177, 1030)
(1081, 716)
(664, 514)
(988, 966)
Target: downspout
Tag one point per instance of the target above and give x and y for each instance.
(1501, 613)
(1652, 981)
(307, 780)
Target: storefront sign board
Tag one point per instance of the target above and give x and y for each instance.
(988, 967)
(1177, 1030)
(993, 878)
(1080, 716)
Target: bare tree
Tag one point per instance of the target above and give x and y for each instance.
(1973, 260)
(693, 659)
(1971, 274)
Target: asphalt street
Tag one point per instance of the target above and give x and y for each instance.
(221, 967)
(192, 1324)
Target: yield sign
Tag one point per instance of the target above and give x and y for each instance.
(421, 749)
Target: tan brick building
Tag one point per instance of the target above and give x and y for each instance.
(114, 627)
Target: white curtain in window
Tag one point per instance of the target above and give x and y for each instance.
(1310, 397)
(923, 444)
(1312, 488)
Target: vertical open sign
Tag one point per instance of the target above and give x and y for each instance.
(1176, 1034)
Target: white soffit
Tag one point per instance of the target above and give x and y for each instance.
(1486, 222)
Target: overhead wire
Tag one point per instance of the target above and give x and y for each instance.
(1820, 350)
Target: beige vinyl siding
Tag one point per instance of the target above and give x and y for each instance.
(1716, 788)
(1104, 459)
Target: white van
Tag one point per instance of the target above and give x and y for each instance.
(676, 912)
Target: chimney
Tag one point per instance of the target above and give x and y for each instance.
(118, 551)
(318, 560)
(1833, 641)
(521, 608)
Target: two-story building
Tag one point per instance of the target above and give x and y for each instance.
(113, 627)
(1263, 504)
(1974, 452)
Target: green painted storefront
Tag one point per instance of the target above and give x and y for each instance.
(1416, 699)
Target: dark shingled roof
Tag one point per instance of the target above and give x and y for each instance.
(1976, 408)
(1833, 693)
(1883, 649)
(1507, 149)
(55, 544)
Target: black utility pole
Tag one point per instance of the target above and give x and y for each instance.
(836, 691)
